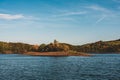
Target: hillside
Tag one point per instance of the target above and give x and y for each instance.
(10, 47)
(99, 47)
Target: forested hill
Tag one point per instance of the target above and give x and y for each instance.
(11, 47)
(99, 47)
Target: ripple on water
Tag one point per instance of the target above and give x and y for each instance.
(99, 67)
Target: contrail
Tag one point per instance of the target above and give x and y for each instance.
(99, 20)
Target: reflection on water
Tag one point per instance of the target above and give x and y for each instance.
(98, 67)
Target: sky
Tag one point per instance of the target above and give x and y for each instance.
(71, 21)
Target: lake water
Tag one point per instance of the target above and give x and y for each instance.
(97, 67)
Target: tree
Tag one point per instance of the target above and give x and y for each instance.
(41, 48)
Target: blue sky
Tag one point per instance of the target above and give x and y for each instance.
(71, 21)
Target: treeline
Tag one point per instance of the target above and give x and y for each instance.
(53, 47)
(15, 47)
(99, 47)
(23, 48)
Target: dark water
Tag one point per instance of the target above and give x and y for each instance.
(98, 67)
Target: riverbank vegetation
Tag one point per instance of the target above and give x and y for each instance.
(97, 47)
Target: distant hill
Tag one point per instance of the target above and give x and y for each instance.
(15, 47)
(112, 46)
(99, 47)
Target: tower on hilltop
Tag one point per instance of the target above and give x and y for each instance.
(56, 43)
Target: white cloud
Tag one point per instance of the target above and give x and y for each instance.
(11, 17)
(98, 8)
(71, 13)
(119, 7)
(118, 1)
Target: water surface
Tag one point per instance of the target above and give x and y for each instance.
(98, 67)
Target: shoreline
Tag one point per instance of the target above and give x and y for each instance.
(57, 54)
